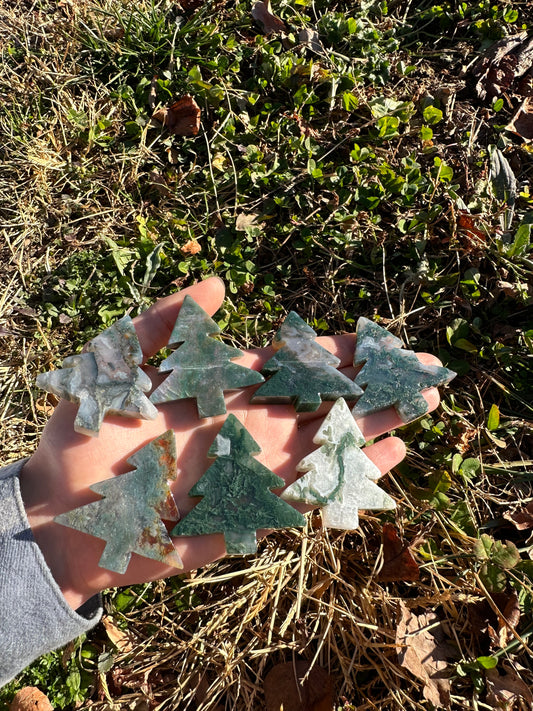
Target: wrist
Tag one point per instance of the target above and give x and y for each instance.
(58, 544)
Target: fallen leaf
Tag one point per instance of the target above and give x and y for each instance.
(522, 518)
(46, 403)
(466, 224)
(182, 118)
(491, 629)
(245, 220)
(503, 690)
(159, 182)
(507, 60)
(305, 129)
(144, 680)
(191, 4)
(124, 640)
(295, 686)
(262, 13)
(219, 161)
(311, 39)
(191, 247)
(26, 311)
(504, 330)
(30, 698)
(203, 691)
(425, 653)
(398, 563)
(114, 34)
(522, 121)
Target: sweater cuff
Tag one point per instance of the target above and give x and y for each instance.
(34, 616)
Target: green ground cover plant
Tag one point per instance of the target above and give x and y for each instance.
(346, 165)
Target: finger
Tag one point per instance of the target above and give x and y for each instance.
(198, 550)
(378, 423)
(387, 453)
(429, 359)
(341, 346)
(155, 325)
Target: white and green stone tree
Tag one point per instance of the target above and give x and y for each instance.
(105, 377)
(129, 517)
(392, 376)
(237, 497)
(339, 477)
(302, 372)
(201, 366)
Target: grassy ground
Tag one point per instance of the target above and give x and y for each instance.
(355, 172)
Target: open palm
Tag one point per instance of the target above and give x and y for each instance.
(58, 476)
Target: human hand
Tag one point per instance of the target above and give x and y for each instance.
(57, 477)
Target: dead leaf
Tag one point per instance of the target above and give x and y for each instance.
(425, 653)
(522, 121)
(203, 691)
(191, 4)
(114, 34)
(467, 225)
(30, 698)
(522, 518)
(305, 129)
(244, 221)
(506, 61)
(262, 13)
(124, 640)
(310, 38)
(398, 563)
(146, 681)
(503, 690)
(46, 403)
(493, 630)
(190, 247)
(159, 182)
(503, 330)
(182, 118)
(294, 686)
(26, 311)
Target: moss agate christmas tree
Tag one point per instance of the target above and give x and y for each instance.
(339, 477)
(392, 376)
(302, 372)
(105, 377)
(129, 517)
(237, 497)
(201, 366)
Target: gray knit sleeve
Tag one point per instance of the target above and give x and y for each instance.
(34, 616)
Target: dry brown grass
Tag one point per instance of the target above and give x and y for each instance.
(309, 595)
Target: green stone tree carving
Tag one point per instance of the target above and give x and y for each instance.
(303, 373)
(339, 477)
(105, 377)
(390, 375)
(129, 516)
(201, 367)
(237, 500)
